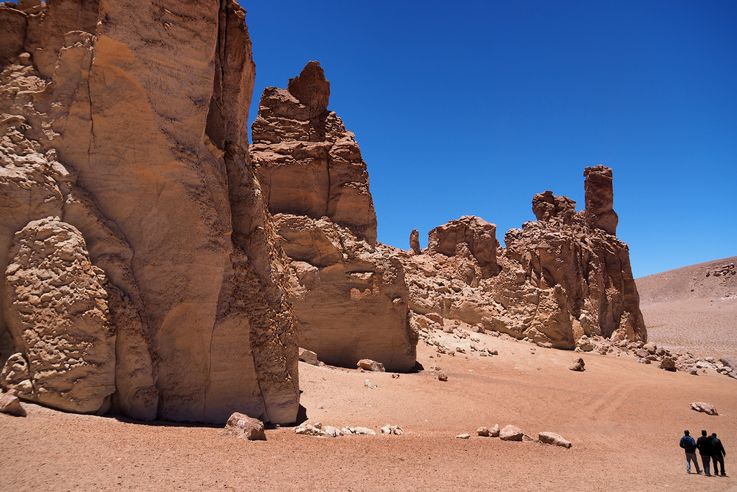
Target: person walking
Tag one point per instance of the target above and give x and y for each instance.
(718, 454)
(705, 450)
(689, 446)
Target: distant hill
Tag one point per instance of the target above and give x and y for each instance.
(693, 308)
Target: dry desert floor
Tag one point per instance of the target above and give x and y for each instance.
(624, 419)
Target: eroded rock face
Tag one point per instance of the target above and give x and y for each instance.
(474, 233)
(149, 161)
(561, 278)
(306, 160)
(57, 306)
(350, 297)
(414, 242)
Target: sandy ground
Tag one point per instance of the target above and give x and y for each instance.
(624, 419)
(692, 309)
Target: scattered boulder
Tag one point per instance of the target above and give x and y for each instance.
(317, 430)
(370, 385)
(494, 431)
(554, 439)
(704, 407)
(668, 363)
(10, 404)
(483, 431)
(579, 365)
(464, 435)
(308, 356)
(442, 376)
(359, 431)
(511, 433)
(244, 427)
(394, 430)
(370, 365)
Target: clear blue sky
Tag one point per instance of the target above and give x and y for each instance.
(471, 107)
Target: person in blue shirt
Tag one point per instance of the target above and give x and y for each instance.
(689, 446)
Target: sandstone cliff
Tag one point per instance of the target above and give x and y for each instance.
(348, 293)
(126, 127)
(560, 278)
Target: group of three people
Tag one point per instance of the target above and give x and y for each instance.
(711, 450)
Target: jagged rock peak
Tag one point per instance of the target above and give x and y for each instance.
(311, 88)
(599, 189)
(468, 232)
(546, 206)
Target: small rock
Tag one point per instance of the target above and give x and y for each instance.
(10, 404)
(703, 407)
(308, 356)
(494, 431)
(511, 433)
(396, 376)
(245, 427)
(367, 383)
(442, 376)
(465, 435)
(579, 365)
(370, 365)
(554, 439)
(483, 431)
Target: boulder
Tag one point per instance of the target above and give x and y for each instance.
(494, 431)
(370, 365)
(308, 356)
(442, 376)
(578, 365)
(668, 363)
(392, 430)
(483, 431)
(511, 433)
(704, 407)
(464, 435)
(244, 427)
(10, 404)
(554, 439)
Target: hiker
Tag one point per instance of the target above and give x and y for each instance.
(705, 450)
(689, 446)
(718, 454)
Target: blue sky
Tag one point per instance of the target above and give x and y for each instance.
(471, 107)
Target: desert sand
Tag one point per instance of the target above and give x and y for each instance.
(623, 418)
(693, 308)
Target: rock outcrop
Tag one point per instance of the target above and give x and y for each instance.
(57, 307)
(348, 293)
(559, 279)
(307, 162)
(129, 126)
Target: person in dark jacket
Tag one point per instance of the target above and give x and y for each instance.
(705, 450)
(718, 454)
(689, 446)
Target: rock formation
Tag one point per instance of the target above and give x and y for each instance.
(348, 293)
(123, 136)
(559, 279)
(307, 162)
(414, 242)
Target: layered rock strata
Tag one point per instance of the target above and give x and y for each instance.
(127, 126)
(560, 278)
(348, 293)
